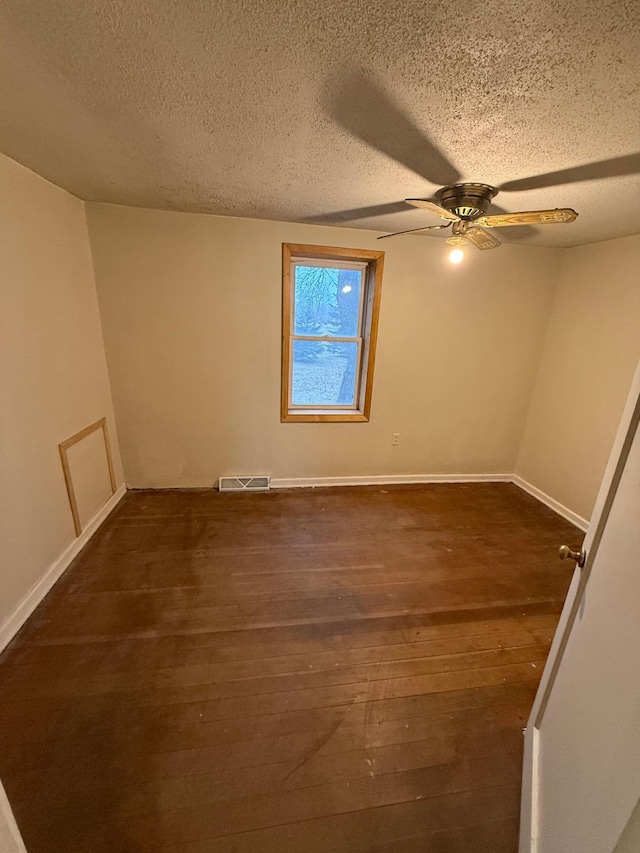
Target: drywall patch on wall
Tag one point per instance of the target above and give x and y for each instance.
(90, 476)
(88, 471)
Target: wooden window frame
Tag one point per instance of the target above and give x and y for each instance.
(372, 287)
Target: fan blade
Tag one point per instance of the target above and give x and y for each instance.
(614, 168)
(516, 232)
(413, 231)
(528, 217)
(457, 240)
(432, 207)
(482, 239)
(363, 108)
(359, 213)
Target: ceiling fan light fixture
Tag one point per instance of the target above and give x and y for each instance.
(468, 201)
(456, 255)
(465, 206)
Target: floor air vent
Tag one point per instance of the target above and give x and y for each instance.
(243, 484)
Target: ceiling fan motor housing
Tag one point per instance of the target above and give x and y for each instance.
(468, 201)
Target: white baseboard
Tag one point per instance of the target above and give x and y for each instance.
(33, 598)
(398, 479)
(387, 480)
(553, 504)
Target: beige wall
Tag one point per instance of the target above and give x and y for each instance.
(589, 358)
(190, 307)
(10, 838)
(630, 840)
(53, 377)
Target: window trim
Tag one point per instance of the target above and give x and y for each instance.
(370, 306)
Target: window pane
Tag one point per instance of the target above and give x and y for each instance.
(324, 373)
(326, 301)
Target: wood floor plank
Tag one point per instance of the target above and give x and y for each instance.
(321, 670)
(121, 654)
(343, 832)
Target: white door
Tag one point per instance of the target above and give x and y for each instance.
(581, 779)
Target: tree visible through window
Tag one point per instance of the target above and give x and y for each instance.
(330, 314)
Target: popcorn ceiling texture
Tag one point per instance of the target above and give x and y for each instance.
(222, 107)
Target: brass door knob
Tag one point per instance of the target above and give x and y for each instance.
(565, 553)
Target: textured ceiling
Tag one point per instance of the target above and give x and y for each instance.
(259, 108)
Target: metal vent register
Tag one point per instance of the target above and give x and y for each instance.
(244, 484)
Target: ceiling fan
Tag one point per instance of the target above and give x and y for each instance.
(464, 206)
(364, 109)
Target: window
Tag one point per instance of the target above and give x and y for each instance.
(331, 299)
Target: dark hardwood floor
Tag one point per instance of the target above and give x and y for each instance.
(304, 671)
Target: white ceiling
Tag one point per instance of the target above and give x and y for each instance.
(255, 107)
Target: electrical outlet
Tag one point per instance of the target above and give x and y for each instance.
(395, 439)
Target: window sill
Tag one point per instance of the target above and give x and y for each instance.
(319, 416)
